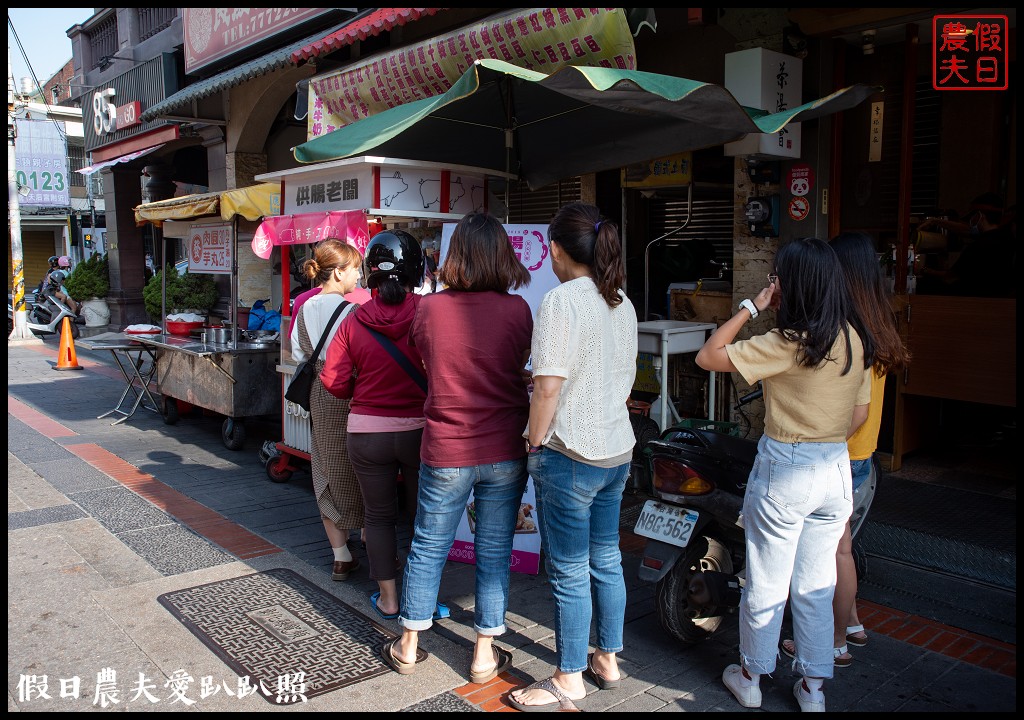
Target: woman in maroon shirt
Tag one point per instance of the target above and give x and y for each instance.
(474, 338)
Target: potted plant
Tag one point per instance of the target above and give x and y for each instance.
(88, 284)
(192, 293)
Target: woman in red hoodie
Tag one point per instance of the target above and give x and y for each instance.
(371, 361)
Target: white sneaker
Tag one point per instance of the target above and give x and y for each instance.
(748, 696)
(803, 698)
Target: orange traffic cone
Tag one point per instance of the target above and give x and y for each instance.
(66, 358)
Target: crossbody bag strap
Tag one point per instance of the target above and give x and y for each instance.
(401, 359)
(323, 336)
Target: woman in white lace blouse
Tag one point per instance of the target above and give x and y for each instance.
(580, 443)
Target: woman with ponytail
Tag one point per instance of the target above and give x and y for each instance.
(579, 445)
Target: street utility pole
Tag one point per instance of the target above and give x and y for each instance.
(20, 319)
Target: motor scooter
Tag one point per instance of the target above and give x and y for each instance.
(695, 552)
(46, 314)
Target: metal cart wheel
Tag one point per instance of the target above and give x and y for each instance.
(232, 432)
(278, 469)
(170, 411)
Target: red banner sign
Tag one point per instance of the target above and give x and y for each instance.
(347, 225)
(215, 33)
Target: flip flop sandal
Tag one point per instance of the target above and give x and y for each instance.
(402, 668)
(853, 636)
(840, 661)
(502, 662)
(387, 616)
(441, 612)
(789, 648)
(600, 680)
(560, 703)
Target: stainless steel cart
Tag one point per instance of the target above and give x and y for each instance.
(230, 380)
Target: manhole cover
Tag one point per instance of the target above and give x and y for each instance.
(292, 639)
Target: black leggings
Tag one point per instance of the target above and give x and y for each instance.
(377, 459)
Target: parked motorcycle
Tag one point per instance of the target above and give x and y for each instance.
(46, 314)
(695, 552)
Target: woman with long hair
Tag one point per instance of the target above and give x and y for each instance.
(815, 367)
(474, 337)
(335, 268)
(871, 300)
(580, 444)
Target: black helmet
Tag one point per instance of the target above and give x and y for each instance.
(57, 278)
(393, 253)
(54, 260)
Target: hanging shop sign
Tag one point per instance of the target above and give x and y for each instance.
(113, 114)
(541, 39)
(387, 188)
(303, 229)
(41, 163)
(209, 249)
(212, 34)
(660, 172)
(769, 81)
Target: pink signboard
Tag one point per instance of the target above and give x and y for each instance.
(215, 33)
(347, 225)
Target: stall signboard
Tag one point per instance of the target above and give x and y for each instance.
(541, 39)
(530, 243)
(209, 249)
(390, 188)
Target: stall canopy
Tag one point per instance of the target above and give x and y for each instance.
(577, 120)
(251, 203)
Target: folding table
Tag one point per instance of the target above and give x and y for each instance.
(137, 363)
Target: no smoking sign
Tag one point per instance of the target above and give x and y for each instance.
(799, 208)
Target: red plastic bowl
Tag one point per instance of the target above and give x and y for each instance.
(177, 327)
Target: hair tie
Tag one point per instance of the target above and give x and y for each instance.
(597, 226)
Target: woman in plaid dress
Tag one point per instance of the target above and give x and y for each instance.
(335, 266)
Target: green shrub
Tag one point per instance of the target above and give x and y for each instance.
(90, 279)
(188, 291)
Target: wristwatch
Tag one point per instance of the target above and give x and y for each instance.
(750, 306)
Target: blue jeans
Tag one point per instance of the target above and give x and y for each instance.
(797, 502)
(578, 508)
(861, 470)
(497, 493)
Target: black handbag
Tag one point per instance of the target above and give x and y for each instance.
(305, 374)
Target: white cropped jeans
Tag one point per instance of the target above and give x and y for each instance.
(798, 499)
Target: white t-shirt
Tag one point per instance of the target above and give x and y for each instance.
(577, 336)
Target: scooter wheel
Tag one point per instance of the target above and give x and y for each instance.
(685, 622)
(75, 332)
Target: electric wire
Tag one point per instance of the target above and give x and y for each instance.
(39, 87)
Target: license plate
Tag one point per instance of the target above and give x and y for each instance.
(666, 523)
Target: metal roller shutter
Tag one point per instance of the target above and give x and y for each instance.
(36, 249)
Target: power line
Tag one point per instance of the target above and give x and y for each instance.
(39, 87)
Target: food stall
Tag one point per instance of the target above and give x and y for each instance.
(353, 199)
(224, 372)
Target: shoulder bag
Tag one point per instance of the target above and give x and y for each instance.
(305, 374)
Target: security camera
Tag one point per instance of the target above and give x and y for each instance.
(867, 39)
